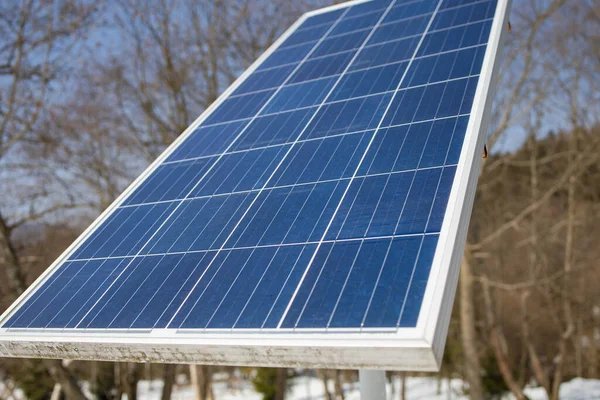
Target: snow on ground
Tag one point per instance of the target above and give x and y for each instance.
(417, 388)
(8, 392)
(576, 389)
(310, 388)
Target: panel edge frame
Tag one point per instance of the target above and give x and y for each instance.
(438, 299)
(413, 349)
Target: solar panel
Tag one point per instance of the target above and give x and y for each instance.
(314, 215)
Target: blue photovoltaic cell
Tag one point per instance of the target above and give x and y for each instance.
(322, 66)
(306, 35)
(361, 22)
(312, 197)
(206, 141)
(274, 129)
(287, 55)
(302, 95)
(261, 80)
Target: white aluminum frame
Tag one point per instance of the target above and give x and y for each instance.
(411, 349)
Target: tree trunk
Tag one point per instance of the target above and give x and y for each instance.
(117, 380)
(339, 389)
(61, 375)
(579, 348)
(323, 375)
(94, 386)
(280, 384)
(201, 377)
(11, 262)
(467, 328)
(567, 334)
(593, 374)
(536, 364)
(56, 392)
(403, 385)
(168, 381)
(558, 368)
(498, 343)
(131, 377)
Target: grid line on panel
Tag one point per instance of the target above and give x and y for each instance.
(181, 287)
(279, 293)
(420, 57)
(412, 122)
(234, 282)
(139, 287)
(275, 145)
(382, 43)
(272, 174)
(412, 274)
(265, 246)
(299, 212)
(415, 52)
(55, 295)
(426, 225)
(396, 227)
(75, 275)
(344, 100)
(227, 246)
(413, 270)
(213, 277)
(343, 34)
(108, 276)
(458, 6)
(157, 290)
(431, 31)
(255, 289)
(358, 16)
(367, 175)
(410, 281)
(82, 249)
(337, 35)
(222, 154)
(340, 100)
(337, 302)
(82, 286)
(292, 84)
(362, 14)
(314, 286)
(191, 221)
(293, 144)
(26, 306)
(390, 174)
(366, 313)
(309, 182)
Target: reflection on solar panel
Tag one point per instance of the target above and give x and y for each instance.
(314, 215)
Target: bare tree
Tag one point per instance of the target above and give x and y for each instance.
(176, 57)
(35, 36)
(544, 80)
(201, 378)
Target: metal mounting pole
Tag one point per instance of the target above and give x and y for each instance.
(372, 384)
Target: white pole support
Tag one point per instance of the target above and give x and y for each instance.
(372, 384)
